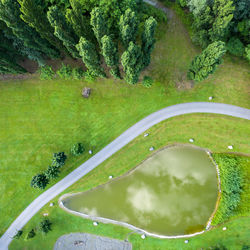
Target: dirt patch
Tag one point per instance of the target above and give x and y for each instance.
(86, 241)
(183, 83)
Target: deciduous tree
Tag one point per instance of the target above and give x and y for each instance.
(206, 63)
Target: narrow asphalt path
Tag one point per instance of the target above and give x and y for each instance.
(113, 147)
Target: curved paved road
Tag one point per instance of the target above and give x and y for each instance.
(110, 149)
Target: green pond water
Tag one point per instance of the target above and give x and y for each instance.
(174, 192)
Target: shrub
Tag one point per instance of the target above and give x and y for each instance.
(30, 234)
(18, 234)
(77, 73)
(89, 76)
(147, 81)
(235, 47)
(52, 172)
(158, 14)
(46, 72)
(247, 52)
(59, 159)
(77, 149)
(65, 72)
(45, 226)
(231, 186)
(39, 181)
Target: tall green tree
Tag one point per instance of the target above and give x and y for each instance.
(63, 30)
(132, 63)
(223, 14)
(148, 40)
(90, 57)
(128, 27)
(207, 62)
(10, 14)
(34, 14)
(79, 19)
(110, 54)
(9, 57)
(99, 24)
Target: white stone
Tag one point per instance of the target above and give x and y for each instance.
(145, 135)
(143, 236)
(230, 147)
(95, 223)
(210, 98)
(111, 176)
(45, 214)
(151, 148)
(51, 204)
(186, 241)
(224, 228)
(90, 152)
(191, 140)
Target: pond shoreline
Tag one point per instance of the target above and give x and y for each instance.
(137, 229)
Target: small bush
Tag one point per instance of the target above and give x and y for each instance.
(65, 72)
(45, 226)
(59, 159)
(52, 172)
(18, 234)
(46, 72)
(77, 73)
(89, 76)
(147, 82)
(77, 149)
(247, 52)
(30, 234)
(39, 181)
(235, 47)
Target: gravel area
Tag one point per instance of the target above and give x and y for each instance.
(84, 241)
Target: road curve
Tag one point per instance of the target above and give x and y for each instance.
(110, 149)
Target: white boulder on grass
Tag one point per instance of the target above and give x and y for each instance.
(186, 241)
(146, 134)
(45, 214)
(210, 98)
(151, 149)
(191, 140)
(143, 236)
(224, 228)
(95, 223)
(51, 204)
(90, 152)
(230, 147)
(111, 176)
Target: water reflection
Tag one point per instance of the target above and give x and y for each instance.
(167, 194)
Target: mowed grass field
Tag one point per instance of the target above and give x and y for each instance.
(38, 118)
(207, 132)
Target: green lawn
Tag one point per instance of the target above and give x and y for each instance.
(206, 129)
(38, 118)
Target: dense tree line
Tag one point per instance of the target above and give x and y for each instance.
(221, 20)
(89, 29)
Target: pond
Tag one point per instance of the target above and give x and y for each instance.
(173, 192)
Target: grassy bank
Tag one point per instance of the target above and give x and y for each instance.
(206, 129)
(39, 118)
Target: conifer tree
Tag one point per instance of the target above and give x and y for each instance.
(148, 40)
(10, 14)
(132, 63)
(90, 57)
(110, 54)
(98, 24)
(128, 26)
(207, 62)
(79, 20)
(63, 30)
(34, 14)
